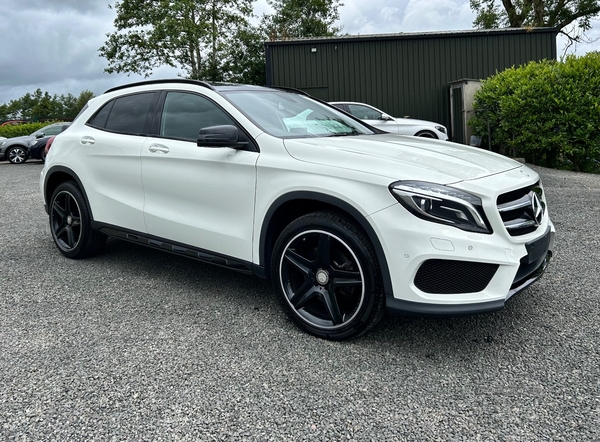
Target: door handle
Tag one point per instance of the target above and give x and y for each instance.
(158, 148)
(87, 141)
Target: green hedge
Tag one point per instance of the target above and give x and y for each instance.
(10, 131)
(547, 112)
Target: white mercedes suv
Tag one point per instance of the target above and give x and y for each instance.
(346, 220)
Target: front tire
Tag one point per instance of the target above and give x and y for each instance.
(426, 134)
(326, 276)
(17, 155)
(70, 223)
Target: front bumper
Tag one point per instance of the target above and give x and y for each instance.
(443, 271)
(400, 307)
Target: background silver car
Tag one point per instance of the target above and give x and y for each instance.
(405, 126)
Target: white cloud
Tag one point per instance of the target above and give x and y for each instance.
(437, 15)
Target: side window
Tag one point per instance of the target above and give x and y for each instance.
(343, 107)
(128, 114)
(53, 130)
(364, 112)
(99, 119)
(184, 114)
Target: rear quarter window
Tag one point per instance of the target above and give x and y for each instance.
(126, 115)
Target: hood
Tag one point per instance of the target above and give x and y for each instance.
(22, 139)
(400, 157)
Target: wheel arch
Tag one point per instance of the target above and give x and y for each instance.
(427, 133)
(288, 207)
(58, 175)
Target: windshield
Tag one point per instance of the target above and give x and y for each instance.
(291, 115)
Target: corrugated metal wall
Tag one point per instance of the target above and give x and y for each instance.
(402, 74)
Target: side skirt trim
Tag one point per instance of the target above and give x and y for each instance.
(176, 248)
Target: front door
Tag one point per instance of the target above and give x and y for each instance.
(199, 196)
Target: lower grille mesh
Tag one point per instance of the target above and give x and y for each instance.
(445, 276)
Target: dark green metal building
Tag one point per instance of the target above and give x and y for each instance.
(402, 74)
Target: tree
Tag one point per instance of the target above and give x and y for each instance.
(245, 61)
(188, 34)
(546, 111)
(82, 100)
(558, 14)
(302, 18)
(42, 106)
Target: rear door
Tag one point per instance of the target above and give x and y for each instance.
(110, 145)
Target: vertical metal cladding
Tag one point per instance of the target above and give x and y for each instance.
(403, 74)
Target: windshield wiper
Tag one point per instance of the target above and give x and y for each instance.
(344, 134)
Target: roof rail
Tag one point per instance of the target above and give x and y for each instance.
(162, 81)
(290, 89)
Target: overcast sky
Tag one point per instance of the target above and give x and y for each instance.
(53, 44)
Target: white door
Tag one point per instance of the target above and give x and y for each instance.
(111, 148)
(194, 195)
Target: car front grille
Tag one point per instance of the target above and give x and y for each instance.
(443, 276)
(522, 210)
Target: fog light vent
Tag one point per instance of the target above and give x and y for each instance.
(444, 276)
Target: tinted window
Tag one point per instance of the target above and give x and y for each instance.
(99, 120)
(128, 114)
(364, 112)
(185, 114)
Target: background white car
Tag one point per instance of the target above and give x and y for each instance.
(405, 126)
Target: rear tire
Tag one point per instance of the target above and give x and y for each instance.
(70, 223)
(326, 276)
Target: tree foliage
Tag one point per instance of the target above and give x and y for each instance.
(192, 35)
(546, 111)
(42, 106)
(302, 18)
(558, 14)
(209, 39)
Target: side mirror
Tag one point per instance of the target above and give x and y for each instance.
(38, 136)
(220, 136)
(385, 117)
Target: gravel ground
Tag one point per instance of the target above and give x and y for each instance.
(136, 345)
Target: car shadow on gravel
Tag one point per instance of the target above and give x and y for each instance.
(428, 337)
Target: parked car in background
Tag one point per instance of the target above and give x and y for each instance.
(345, 219)
(37, 147)
(404, 126)
(16, 149)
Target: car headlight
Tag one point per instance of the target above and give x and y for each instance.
(442, 129)
(442, 204)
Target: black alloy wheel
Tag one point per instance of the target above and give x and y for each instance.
(17, 155)
(326, 276)
(70, 223)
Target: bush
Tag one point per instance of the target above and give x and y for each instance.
(547, 112)
(10, 131)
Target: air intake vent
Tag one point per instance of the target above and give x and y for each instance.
(522, 210)
(445, 276)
